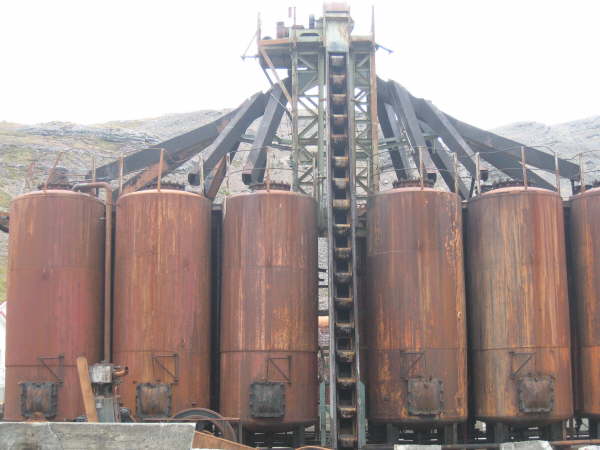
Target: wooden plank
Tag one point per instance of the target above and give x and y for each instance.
(89, 402)
(205, 440)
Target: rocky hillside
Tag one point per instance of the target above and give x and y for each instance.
(27, 152)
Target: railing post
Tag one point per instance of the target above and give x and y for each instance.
(581, 173)
(478, 173)
(421, 166)
(557, 173)
(160, 170)
(455, 161)
(524, 167)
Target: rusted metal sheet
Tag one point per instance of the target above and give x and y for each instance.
(269, 310)
(55, 287)
(416, 308)
(518, 303)
(161, 300)
(585, 271)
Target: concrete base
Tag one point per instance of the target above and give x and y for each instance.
(95, 436)
(526, 445)
(417, 447)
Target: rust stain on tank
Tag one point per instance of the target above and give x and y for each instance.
(518, 303)
(415, 303)
(161, 299)
(269, 310)
(585, 256)
(55, 289)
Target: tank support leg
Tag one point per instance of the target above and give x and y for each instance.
(500, 432)
(299, 436)
(268, 439)
(391, 434)
(248, 438)
(376, 433)
(554, 432)
(450, 434)
(593, 426)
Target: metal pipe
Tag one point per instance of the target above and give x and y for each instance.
(52, 171)
(268, 171)
(478, 173)
(107, 260)
(227, 170)
(557, 172)
(581, 173)
(524, 167)
(94, 174)
(455, 161)
(160, 169)
(201, 162)
(121, 167)
(315, 176)
(421, 170)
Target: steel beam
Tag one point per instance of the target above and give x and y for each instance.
(534, 156)
(182, 147)
(229, 138)
(445, 165)
(254, 168)
(438, 122)
(390, 129)
(215, 178)
(507, 165)
(386, 119)
(407, 115)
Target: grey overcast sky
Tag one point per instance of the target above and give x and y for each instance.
(488, 62)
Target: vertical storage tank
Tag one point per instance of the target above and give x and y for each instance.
(55, 288)
(162, 301)
(416, 308)
(585, 256)
(519, 312)
(269, 310)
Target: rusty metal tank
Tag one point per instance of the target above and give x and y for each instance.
(269, 310)
(584, 241)
(162, 301)
(518, 305)
(55, 288)
(415, 303)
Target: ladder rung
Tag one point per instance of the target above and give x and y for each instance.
(347, 412)
(341, 162)
(346, 382)
(343, 277)
(345, 355)
(343, 253)
(344, 328)
(344, 303)
(341, 204)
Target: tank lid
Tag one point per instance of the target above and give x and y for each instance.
(55, 187)
(58, 179)
(164, 185)
(273, 185)
(588, 187)
(510, 183)
(413, 182)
